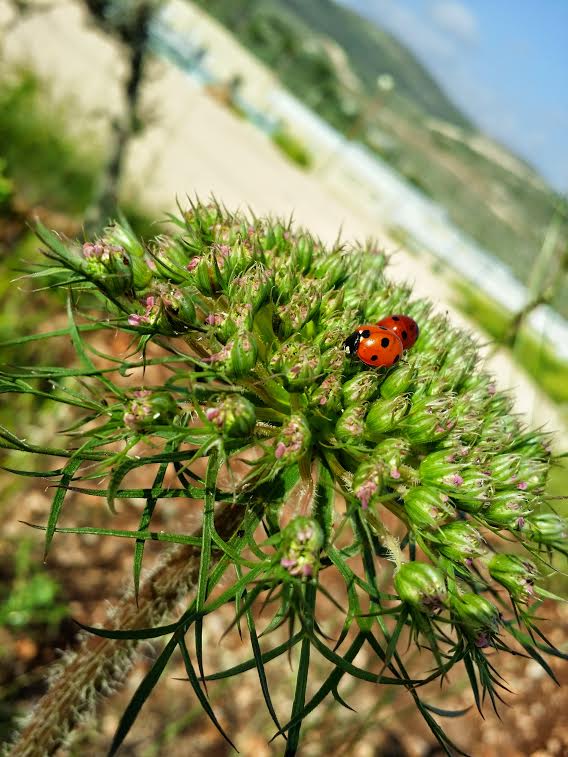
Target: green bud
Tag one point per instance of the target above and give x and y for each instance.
(441, 469)
(458, 541)
(350, 426)
(428, 507)
(502, 430)
(171, 259)
(458, 364)
(398, 381)
(333, 268)
(109, 266)
(252, 287)
(123, 236)
(473, 492)
(285, 283)
(302, 540)
(238, 319)
(224, 325)
(302, 307)
(293, 441)
(369, 482)
(303, 252)
(333, 361)
(477, 616)
(243, 355)
(504, 470)
(534, 445)
(142, 274)
(298, 364)
(428, 420)
(393, 453)
(327, 396)
(233, 260)
(508, 510)
(420, 585)
(267, 238)
(234, 416)
(386, 415)
(371, 268)
(331, 304)
(532, 474)
(334, 330)
(466, 416)
(361, 388)
(179, 308)
(148, 408)
(207, 274)
(203, 218)
(548, 529)
(516, 574)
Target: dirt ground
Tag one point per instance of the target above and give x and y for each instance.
(93, 573)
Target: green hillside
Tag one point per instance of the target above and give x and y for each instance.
(330, 57)
(372, 52)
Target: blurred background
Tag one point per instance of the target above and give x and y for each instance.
(437, 127)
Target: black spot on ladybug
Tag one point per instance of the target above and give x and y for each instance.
(374, 357)
(397, 358)
(366, 334)
(385, 341)
(404, 335)
(395, 318)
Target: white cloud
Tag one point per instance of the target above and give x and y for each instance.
(455, 19)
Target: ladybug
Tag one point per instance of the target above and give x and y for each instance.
(374, 345)
(404, 327)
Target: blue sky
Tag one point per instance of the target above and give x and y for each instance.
(503, 62)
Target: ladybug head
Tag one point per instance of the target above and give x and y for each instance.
(351, 344)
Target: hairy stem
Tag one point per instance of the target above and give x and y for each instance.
(99, 666)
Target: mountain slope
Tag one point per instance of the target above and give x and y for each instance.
(372, 51)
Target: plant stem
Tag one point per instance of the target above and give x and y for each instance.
(99, 666)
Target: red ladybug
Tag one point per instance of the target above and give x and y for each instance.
(403, 326)
(374, 345)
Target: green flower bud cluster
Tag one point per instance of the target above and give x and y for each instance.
(302, 540)
(268, 309)
(147, 408)
(233, 416)
(426, 456)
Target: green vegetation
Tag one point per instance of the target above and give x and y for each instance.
(330, 58)
(6, 185)
(292, 147)
(32, 597)
(47, 163)
(549, 371)
(279, 31)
